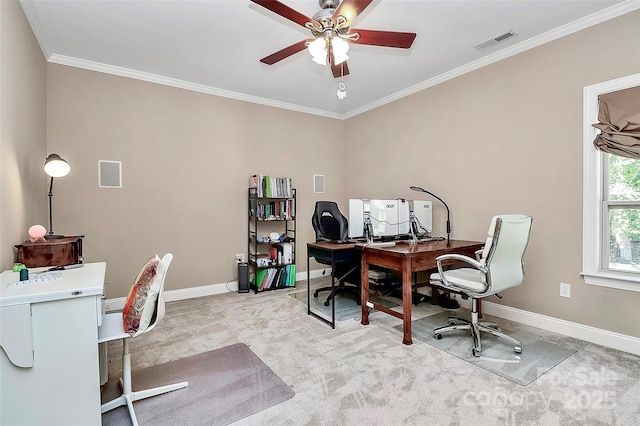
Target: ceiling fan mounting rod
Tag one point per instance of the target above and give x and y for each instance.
(329, 4)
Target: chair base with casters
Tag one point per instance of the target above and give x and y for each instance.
(476, 326)
(341, 288)
(111, 329)
(329, 224)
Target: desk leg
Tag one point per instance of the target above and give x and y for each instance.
(406, 302)
(333, 289)
(308, 287)
(364, 291)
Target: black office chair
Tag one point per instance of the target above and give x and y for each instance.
(331, 225)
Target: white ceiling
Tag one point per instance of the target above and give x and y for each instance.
(214, 46)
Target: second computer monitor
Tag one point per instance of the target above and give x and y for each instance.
(422, 211)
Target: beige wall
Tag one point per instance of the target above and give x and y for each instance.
(508, 139)
(23, 184)
(186, 161)
(505, 138)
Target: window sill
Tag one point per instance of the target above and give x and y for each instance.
(620, 281)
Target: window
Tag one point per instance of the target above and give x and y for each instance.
(611, 197)
(621, 210)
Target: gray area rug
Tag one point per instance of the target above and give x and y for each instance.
(538, 355)
(225, 385)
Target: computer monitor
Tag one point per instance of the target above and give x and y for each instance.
(384, 217)
(388, 218)
(423, 213)
(404, 216)
(358, 209)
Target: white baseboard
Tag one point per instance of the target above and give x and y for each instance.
(611, 339)
(117, 304)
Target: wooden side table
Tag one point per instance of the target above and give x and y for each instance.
(61, 251)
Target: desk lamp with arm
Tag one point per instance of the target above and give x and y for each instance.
(54, 166)
(444, 300)
(417, 188)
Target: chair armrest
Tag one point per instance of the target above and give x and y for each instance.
(479, 254)
(459, 257)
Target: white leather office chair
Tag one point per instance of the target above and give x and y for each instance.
(498, 266)
(150, 306)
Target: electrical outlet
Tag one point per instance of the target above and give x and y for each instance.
(240, 257)
(565, 290)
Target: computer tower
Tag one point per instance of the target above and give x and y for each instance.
(243, 277)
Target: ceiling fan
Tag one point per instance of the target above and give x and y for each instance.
(331, 32)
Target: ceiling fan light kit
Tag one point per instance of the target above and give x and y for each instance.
(340, 49)
(318, 50)
(330, 28)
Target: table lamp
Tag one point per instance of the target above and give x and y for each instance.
(54, 166)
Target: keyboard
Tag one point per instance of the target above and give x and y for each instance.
(426, 240)
(38, 279)
(381, 244)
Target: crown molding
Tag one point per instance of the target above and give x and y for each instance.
(565, 30)
(580, 24)
(181, 84)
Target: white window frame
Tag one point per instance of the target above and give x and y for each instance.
(593, 175)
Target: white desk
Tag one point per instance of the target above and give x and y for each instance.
(49, 339)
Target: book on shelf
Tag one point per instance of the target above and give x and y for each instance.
(271, 186)
(291, 282)
(274, 210)
(277, 277)
(260, 278)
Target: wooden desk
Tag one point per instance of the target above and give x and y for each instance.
(331, 254)
(49, 340)
(406, 258)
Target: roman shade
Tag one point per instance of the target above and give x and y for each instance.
(619, 123)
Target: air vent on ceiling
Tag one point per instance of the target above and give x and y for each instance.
(494, 40)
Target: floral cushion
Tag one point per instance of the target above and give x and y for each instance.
(138, 298)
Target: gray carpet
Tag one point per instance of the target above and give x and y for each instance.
(225, 385)
(538, 355)
(346, 305)
(363, 375)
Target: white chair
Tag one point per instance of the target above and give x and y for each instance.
(151, 308)
(498, 266)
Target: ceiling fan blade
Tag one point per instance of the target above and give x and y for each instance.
(284, 11)
(285, 53)
(340, 70)
(384, 38)
(350, 9)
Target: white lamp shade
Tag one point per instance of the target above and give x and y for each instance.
(340, 49)
(318, 50)
(55, 166)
